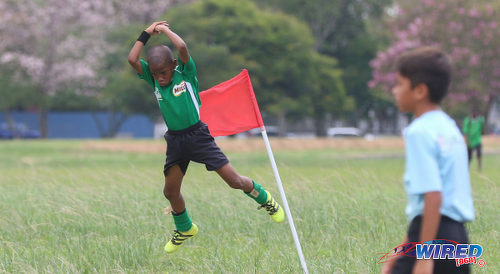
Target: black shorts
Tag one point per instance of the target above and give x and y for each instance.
(449, 229)
(478, 150)
(193, 144)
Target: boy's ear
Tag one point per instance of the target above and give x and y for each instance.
(175, 63)
(421, 91)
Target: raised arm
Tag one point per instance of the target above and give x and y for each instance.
(133, 56)
(135, 52)
(176, 40)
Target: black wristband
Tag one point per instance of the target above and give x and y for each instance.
(144, 37)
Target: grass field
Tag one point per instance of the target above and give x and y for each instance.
(74, 206)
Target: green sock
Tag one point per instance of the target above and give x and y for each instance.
(258, 193)
(182, 221)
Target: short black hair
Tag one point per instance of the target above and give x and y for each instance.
(429, 66)
(160, 55)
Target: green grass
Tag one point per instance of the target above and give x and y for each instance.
(64, 209)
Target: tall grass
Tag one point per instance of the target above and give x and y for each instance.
(64, 209)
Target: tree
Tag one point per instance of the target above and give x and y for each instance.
(59, 44)
(56, 43)
(14, 92)
(342, 29)
(277, 49)
(467, 31)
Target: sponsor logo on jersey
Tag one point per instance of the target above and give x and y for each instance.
(179, 89)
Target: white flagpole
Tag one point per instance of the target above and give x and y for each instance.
(283, 197)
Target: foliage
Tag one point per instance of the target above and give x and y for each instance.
(467, 31)
(225, 36)
(69, 100)
(219, 39)
(15, 90)
(56, 43)
(124, 92)
(59, 44)
(342, 30)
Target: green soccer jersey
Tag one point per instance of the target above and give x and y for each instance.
(473, 129)
(179, 101)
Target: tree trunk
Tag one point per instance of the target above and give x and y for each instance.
(43, 121)
(282, 123)
(114, 124)
(490, 104)
(320, 125)
(100, 127)
(47, 86)
(9, 120)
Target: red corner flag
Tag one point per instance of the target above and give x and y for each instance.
(230, 107)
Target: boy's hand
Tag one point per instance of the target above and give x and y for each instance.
(151, 29)
(161, 27)
(388, 266)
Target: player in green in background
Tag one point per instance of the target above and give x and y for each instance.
(473, 128)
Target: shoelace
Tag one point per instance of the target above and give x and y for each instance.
(176, 238)
(271, 206)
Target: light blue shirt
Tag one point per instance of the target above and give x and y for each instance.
(436, 160)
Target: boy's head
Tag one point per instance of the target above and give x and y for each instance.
(162, 64)
(475, 111)
(423, 75)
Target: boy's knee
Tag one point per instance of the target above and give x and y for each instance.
(170, 193)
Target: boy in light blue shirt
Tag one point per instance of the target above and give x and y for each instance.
(436, 160)
(436, 177)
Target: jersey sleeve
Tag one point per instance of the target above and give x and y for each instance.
(146, 73)
(422, 168)
(188, 69)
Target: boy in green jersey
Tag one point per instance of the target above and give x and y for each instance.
(176, 89)
(472, 129)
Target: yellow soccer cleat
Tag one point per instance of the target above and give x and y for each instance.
(273, 208)
(179, 237)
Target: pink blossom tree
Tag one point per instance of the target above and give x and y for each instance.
(59, 44)
(467, 30)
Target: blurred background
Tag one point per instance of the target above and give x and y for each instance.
(319, 67)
